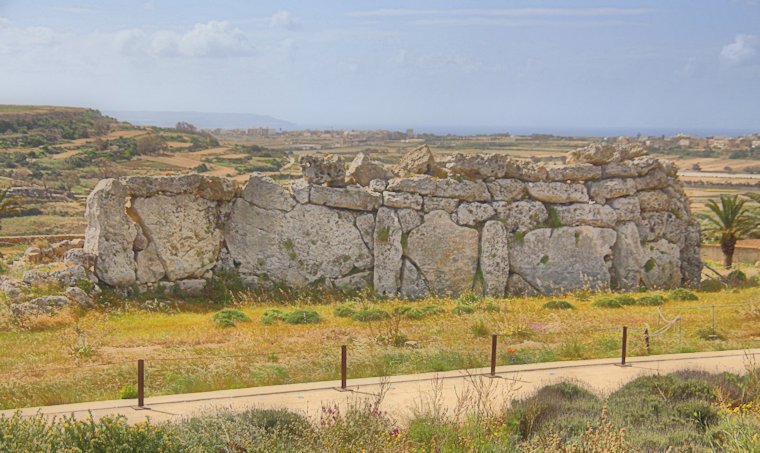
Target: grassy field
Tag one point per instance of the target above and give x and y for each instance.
(81, 356)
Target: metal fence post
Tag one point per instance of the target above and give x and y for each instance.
(343, 368)
(646, 339)
(493, 354)
(624, 346)
(140, 383)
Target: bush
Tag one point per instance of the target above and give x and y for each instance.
(625, 300)
(128, 392)
(229, 317)
(344, 311)
(418, 312)
(270, 316)
(736, 278)
(302, 317)
(655, 299)
(370, 314)
(468, 298)
(706, 333)
(479, 329)
(682, 294)
(558, 305)
(463, 310)
(606, 302)
(711, 285)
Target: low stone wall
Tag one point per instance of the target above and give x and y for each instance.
(746, 255)
(612, 217)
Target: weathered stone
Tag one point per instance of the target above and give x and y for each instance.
(110, 233)
(74, 256)
(141, 242)
(409, 219)
(564, 259)
(587, 214)
(445, 253)
(655, 179)
(413, 285)
(557, 192)
(308, 244)
(354, 282)
(474, 213)
(378, 185)
(691, 261)
(149, 266)
(625, 169)
(45, 305)
(184, 231)
(300, 190)
(355, 198)
(661, 225)
(653, 200)
(574, 172)
(263, 192)
(211, 188)
(627, 209)
(519, 287)
(388, 251)
(606, 189)
(79, 297)
(419, 161)
(224, 263)
(645, 164)
(626, 261)
(661, 265)
(440, 204)
(10, 288)
(599, 154)
(506, 189)
(324, 169)
(362, 170)
(482, 166)
(191, 287)
(402, 200)
(494, 258)
(365, 223)
(521, 215)
(448, 188)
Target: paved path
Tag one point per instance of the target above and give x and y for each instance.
(405, 393)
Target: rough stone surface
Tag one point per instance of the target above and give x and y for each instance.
(365, 223)
(327, 169)
(519, 287)
(599, 154)
(191, 287)
(691, 261)
(507, 189)
(661, 265)
(494, 258)
(409, 219)
(263, 192)
(211, 188)
(587, 214)
(300, 190)
(603, 190)
(402, 200)
(627, 209)
(419, 161)
(413, 285)
(74, 256)
(564, 259)
(653, 200)
(388, 251)
(45, 305)
(440, 204)
(362, 170)
(79, 297)
(627, 255)
(521, 215)
(149, 266)
(378, 185)
(448, 188)
(355, 198)
(354, 282)
(574, 172)
(558, 192)
(471, 214)
(445, 253)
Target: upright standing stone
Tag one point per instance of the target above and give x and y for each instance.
(494, 258)
(388, 251)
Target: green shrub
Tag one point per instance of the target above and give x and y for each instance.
(654, 299)
(370, 314)
(606, 302)
(418, 312)
(302, 317)
(344, 311)
(711, 285)
(128, 392)
(463, 310)
(736, 277)
(682, 294)
(479, 328)
(468, 298)
(624, 299)
(558, 305)
(229, 317)
(272, 315)
(706, 333)
(491, 307)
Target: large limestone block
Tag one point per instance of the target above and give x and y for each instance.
(449, 205)
(574, 172)
(324, 169)
(409, 219)
(209, 187)
(445, 253)
(300, 190)
(691, 260)
(587, 214)
(110, 233)
(473, 213)
(494, 258)
(354, 282)
(388, 251)
(653, 200)
(402, 200)
(506, 189)
(606, 189)
(413, 285)
(627, 209)
(263, 192)
(558, 192)
(661, 265)
(518, 286)
(486, 166)
(365, 223)
(626, 261)
(355, 198)
(362, 170)
(662, 225)
(600, 154)
(149, 266)
(306, 245)
(564, 259)
(655, 179)
(448, 188)
(521, 215)
(184, 230)
(419, 161)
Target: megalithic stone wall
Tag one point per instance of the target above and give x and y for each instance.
(611, 218)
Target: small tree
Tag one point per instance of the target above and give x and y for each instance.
(729, 221)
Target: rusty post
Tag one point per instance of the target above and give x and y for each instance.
(140, 383)
(646, 339)
(624, 345)
(493, 354)
(343, 368)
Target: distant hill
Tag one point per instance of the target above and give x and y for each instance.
(34, 125)
(203, 120)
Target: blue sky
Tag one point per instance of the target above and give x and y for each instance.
(540, 65)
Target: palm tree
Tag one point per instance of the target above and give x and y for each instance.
(729, 221)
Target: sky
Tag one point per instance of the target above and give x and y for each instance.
(533, 65)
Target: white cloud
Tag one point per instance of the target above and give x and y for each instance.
(284, 19)
(743, 50)
(215, 39)
(16, 39)
(129, 42)
(511, 12)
